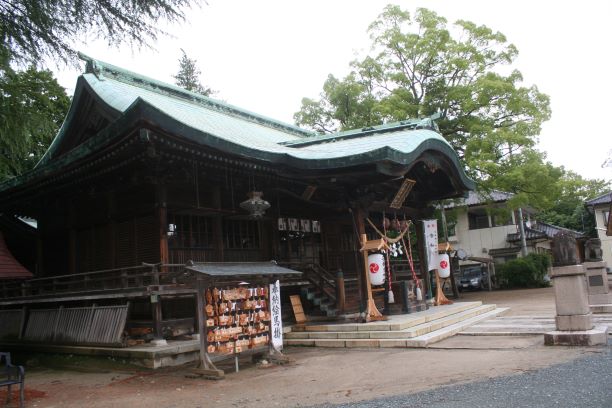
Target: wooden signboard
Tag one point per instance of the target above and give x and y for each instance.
(402, 193)
(298, 310)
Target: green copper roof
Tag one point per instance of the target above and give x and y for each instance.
(236, 131)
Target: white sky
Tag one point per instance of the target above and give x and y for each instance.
(266, 55)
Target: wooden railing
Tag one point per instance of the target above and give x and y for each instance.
(128, 278)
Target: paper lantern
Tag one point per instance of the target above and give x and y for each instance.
(443, 266)
(376, 264)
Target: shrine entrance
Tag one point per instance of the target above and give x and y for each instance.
(299, 241)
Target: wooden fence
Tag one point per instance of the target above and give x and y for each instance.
(95, 325)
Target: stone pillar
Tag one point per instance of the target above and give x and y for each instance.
(573, 312)
(574, 320)
(597, 283)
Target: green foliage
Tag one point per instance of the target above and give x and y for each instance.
(188, 76)
(420, 66)
(568, 210)
(526, 272)
(349, 103)
(34, 29)
(32, 108)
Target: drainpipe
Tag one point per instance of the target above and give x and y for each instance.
(522, 231)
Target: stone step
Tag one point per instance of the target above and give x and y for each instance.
(410, 332)
(370, 339)
(398, 322)
(606, 308)
(448, 331)
(524, 326)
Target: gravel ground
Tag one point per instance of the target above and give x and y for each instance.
(585, 382)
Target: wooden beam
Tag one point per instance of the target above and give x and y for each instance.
(201, 314)
(422, 257)
(112, 229)
(218, 226)
(156, 307)
(359, 216)
(372, 312)
(162, 217)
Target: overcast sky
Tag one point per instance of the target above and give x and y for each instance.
(266, 55)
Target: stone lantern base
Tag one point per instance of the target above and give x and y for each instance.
(597, 336)
(574, 319)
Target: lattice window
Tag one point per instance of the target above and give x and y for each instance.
(241, 234)
(189, 231)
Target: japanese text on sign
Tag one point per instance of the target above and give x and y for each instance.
(275, 311)
(430, 230)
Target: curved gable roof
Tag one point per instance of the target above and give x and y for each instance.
(124, 94)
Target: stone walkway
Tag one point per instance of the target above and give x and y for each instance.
(524, 325)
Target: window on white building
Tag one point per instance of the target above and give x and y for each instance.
(478, 219)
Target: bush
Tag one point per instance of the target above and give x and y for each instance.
(526, 272)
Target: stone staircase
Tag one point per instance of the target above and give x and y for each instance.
(319, 300)
(419, 329)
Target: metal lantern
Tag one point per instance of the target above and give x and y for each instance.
(255, 205)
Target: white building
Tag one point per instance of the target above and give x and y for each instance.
(487, 230)
(601, 208)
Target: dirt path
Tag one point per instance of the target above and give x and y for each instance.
(316, 376)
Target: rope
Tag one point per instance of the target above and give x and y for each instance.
(409, 256)
(387, 254)
(384, 236)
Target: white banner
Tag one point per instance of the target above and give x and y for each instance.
(276, 325)
(430, 230)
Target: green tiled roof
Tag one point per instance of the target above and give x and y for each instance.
(236, 131)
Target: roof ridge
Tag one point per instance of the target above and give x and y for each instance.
(411, 124)
(100, 68)
(558, 227)
(599, 197)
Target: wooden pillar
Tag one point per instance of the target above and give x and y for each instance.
(112, 229)
(423, 257)
(162, 217)
(452, 278)
(40, 270)
(201, 315)
(72, 240)
(359, 216)
(72, 251)
(340, 294)
(156, 305)
(218, 227)
(156, 310)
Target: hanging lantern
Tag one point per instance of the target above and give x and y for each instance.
(443, 266)
(255, 205)
(376, 264)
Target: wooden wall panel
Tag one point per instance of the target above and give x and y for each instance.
(147, 240)
(125, 244)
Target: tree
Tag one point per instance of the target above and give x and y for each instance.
(420, 67)
(188, 76)
(569, 210)
(32, 108)
(34, 29)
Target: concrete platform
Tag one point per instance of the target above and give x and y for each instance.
(524, 325)
(419, 329)
(175, 353)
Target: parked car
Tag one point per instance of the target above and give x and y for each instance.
(473, 278)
